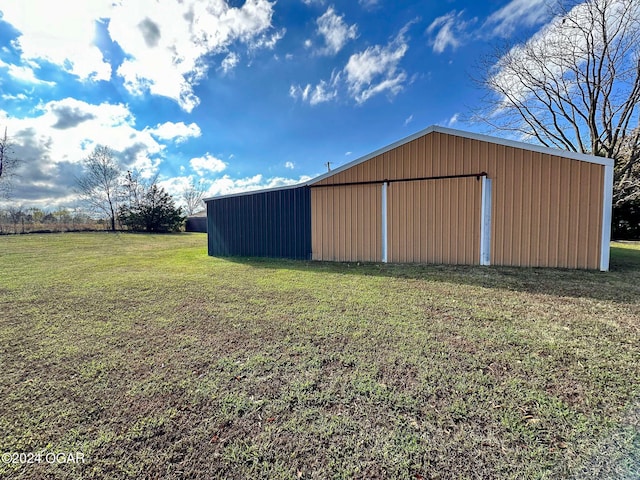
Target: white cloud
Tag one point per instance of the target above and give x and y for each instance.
(226, 185)
(453, 120)
(19, 96)
(408, 120)
(375, 70)
(65, 39)
(267, 41)
(207, 164)
(175, 186)
(366, 74)
(165, 42)
(369, 4)
(178, 132)
(53, 142)
(24, 73)
(515, 14)
(392, 85)
(335, 31)
(320, 93)
(295, 91)
(68, 123)
(230, 62)
(451, 28)
(289, 165)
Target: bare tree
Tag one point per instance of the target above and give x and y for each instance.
(627, 168)
(3, 151)
(16, 214)
(133, 188)
(8, 164)
(193, 195)
(100, 184)
(575, 85)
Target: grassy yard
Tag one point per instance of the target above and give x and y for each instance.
(156, 361)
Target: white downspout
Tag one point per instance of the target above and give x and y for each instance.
(485, 222)
(607, 205)
(384, 222)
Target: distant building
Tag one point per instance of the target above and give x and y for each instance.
(440, 196)
(197, 222)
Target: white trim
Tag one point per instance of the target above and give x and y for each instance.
(607, 205)
(607, 162)
(369, 156)
(485, 222)
(583, 157)
(253, 192)
(385, 238)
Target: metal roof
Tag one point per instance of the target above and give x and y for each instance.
(583, 157)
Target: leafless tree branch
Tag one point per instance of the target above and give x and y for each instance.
(100, 184)
(576, 86)
(8, 165)
(192, 196)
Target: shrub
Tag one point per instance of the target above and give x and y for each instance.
(154, 212)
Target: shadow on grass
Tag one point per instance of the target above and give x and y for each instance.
(626, 259)
(621, 284)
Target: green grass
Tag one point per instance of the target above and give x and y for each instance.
(157, 361)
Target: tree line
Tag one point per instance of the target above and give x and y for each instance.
(18, 219)
(130, 201)
(111, 198)
(575, 86)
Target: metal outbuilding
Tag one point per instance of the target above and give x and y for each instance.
(196, 222)
(438, 196)
(266, 223)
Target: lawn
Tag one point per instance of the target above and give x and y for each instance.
(153, 360)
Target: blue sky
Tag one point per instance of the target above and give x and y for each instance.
(236, 94)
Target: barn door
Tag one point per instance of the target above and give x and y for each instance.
(346, 223)
(436, 221)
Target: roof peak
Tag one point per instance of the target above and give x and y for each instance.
(583, 157)
(470, 135)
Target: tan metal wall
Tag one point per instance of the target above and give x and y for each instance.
(546, 209)
(435, 221)
(346, 223)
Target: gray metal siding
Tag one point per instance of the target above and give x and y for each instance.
(266, 224)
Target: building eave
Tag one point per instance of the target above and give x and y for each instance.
(607, 162)
(253, 192)
(583, 157)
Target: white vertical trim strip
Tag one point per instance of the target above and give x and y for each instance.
(485, 222)
(384, 222)
(607, 205)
